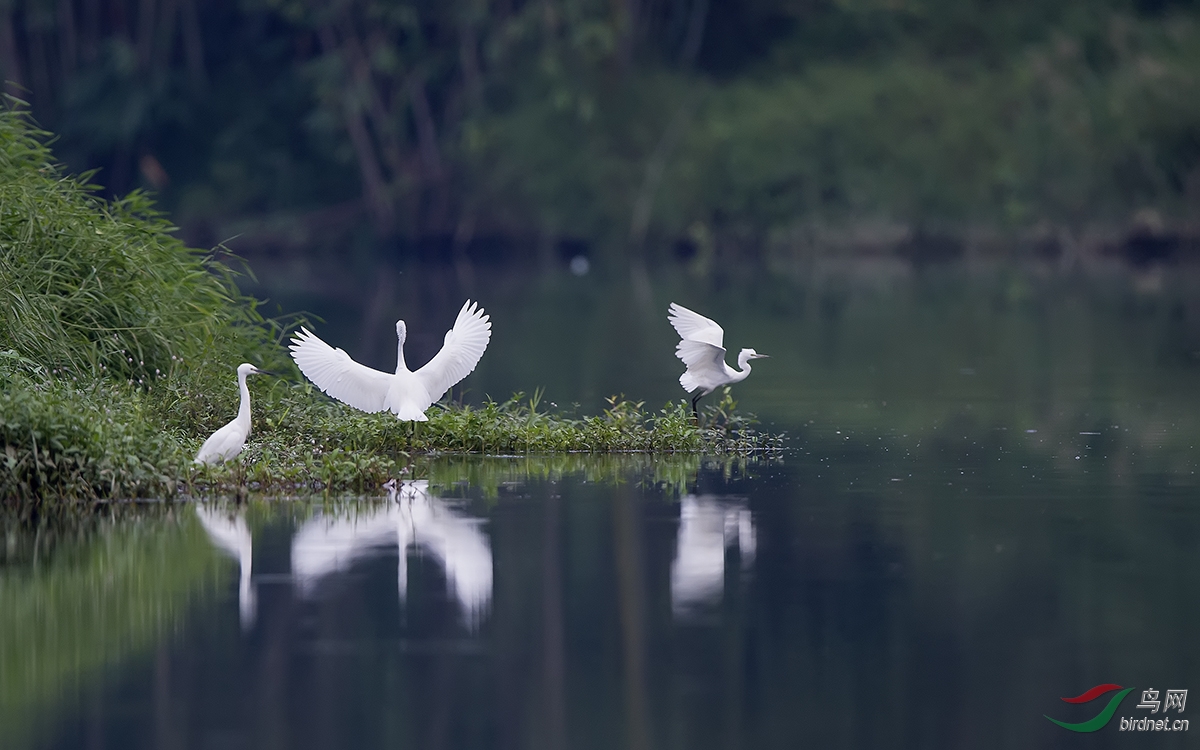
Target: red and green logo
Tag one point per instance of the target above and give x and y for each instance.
(1099, 720)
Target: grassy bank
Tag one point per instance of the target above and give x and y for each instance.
(311, 444)
(68, 442)
(118, 345)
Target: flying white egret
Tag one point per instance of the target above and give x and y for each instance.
(702, 350)
(407, 394)
(227, 442)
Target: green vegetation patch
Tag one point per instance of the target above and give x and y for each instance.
(97, 288)
(307, 442)
(65, 442)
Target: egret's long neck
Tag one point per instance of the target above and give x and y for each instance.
(743, 367)
(244, 407)
(401, 334)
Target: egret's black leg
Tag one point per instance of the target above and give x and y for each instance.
(696, 398)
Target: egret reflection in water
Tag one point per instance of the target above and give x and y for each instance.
(232, 535)
(411, 518)
(708, 526)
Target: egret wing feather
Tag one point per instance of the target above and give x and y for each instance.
(335, 373)
(701, 357)
(692, 326)
(705, 365)
(222, 445)
(461, 351)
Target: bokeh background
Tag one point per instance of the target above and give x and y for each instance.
(650, 131)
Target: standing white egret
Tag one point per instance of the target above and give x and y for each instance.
(407, 394)
(702, 350)
(227, 442)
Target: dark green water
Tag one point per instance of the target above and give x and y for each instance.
(989, 503)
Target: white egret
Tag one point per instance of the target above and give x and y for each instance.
(407, 394)
(228, 441)
(702, 350)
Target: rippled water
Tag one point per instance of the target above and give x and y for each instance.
(986, 506)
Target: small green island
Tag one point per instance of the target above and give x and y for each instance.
(118, 346)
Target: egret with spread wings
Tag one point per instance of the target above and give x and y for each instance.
(702, 350)
(407, 393)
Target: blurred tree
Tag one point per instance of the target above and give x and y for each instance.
(626, 123)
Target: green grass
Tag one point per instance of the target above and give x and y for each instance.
(65, 442)
(94, 288)
(306, 442)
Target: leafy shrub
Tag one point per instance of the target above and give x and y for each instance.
(97, 288)
(63, 441)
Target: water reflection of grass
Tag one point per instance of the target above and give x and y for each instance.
(484, 475)
(90, 604)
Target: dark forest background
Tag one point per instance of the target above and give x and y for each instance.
(629, 128)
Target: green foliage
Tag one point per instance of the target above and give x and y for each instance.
(614, 122)
(66, 442)
(96, 288)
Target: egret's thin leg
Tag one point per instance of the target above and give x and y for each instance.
(696, 398)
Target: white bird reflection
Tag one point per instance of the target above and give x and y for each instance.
(708, 525)
(411, 518)
(232, 535)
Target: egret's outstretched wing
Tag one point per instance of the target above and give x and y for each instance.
(700, 356)
(692, 326)
(705, 364)
(464, 345)
(334, 372)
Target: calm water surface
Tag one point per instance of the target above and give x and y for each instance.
(988, 503)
